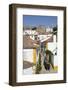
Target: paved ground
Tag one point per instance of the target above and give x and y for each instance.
(27, 64)
(30, 68)
(44, 71)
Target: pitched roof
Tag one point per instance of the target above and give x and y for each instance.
(28, 43)
(27, 64)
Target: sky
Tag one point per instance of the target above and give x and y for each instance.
(32, 20)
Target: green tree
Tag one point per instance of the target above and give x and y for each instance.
(38, 67)
(55, 30)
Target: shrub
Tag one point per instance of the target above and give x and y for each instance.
(38, 66)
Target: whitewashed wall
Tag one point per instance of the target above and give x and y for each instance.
(51, 47)
(49, 29)
(55, 60)
(28, 55)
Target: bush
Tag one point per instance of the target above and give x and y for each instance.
(38, 67)
(39, 61)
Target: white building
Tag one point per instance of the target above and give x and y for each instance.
(52, 46)
(48, 29)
